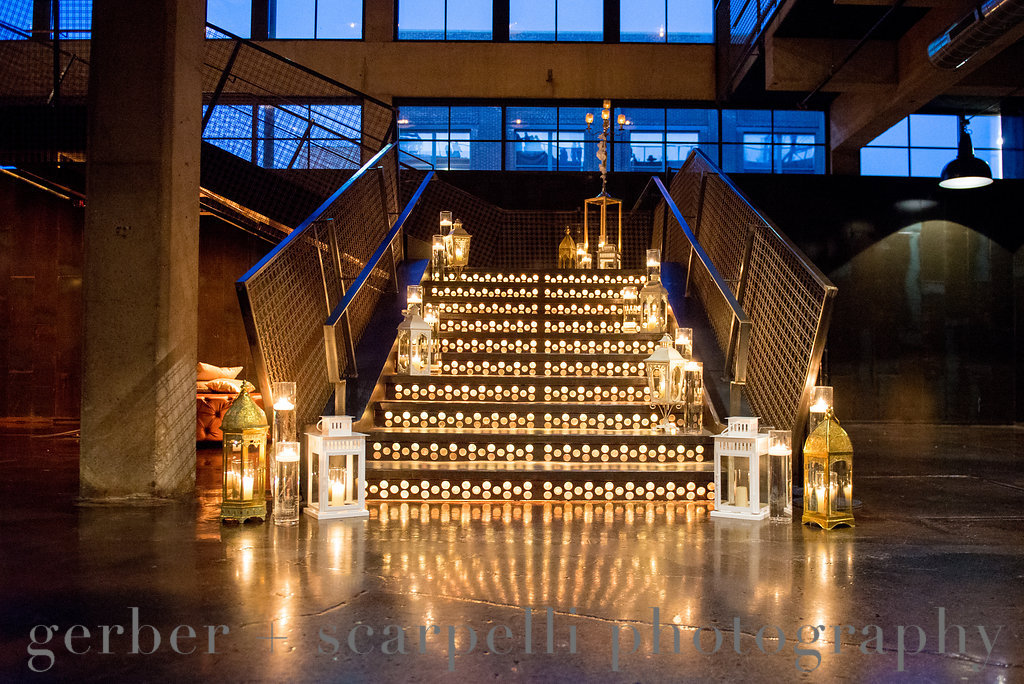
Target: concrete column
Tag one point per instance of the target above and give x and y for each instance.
(141, 251)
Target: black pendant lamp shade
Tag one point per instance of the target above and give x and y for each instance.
(966, 171)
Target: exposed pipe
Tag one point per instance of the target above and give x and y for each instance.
(978, 29)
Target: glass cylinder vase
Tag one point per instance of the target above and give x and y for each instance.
(693, 397)
(284, 412)
(780, 474)
(286, 483)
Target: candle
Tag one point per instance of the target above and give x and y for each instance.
(283, 404)
(247, 486)
(779, 450)
(336, 494)
(819, 406)
(287, 454)
(741, 498)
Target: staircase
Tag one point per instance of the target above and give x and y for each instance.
(540, 397)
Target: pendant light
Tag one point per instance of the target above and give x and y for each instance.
(966, 171)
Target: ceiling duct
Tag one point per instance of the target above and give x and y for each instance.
(984, 24)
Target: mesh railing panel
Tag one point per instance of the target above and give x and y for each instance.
(786, 298)
(288, 296)
(505, 238)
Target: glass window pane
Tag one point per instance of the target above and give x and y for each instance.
(678, 146)
(580, 20)
(928, 162)
(484, 155)
(884, 161)
(798, 154)
(933, 130)
(642, 21)
(994, 159)
(421, 19)
(337, 120)
(469, 20)
(737, 122)
(234, 16)
(483, 123)
(339, 19)
(986, 131)
(897, 136)
(18, 15)
(690, 21)
(75, 19)
(812, 123)
(294, 19)
(531, 20)
(642, 151)
(757, 153)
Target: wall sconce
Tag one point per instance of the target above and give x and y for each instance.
(243, 484)
(415, 346)
(741, 471)
(828, 475)
(665, 382)
(589, 119)
(622, 121)
(336, 470)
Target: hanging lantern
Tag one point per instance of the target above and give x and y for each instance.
(654, 264)
(653, 307)
(828, 475)
(630, 310)
(780, 474)
(243, 490)
(432, 317)
(664, 370)
(567, 251)
(437, 257)
(693, 397)
(684, 342)
(335, 470)
(821, 402)
(741, 471)
(457, 247)
(415, 344)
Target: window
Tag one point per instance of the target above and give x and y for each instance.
(766, 141)
(666, 21)
(445, 20)
(15, 19)
(75, 19)
(315, 136)
(234, 16)
(551, 139)
(456, 138)
(563, 20)
(317, 19)
(922, 144)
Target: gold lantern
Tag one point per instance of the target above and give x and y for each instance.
(567, 251)
(415, 345)
(828, 475)
(243, 489)
(630, 310)
(665, 383)
(653, 307)
(456, 245)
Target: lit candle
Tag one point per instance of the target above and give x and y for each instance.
(287, 453)
(283, 404)
(247, 486)
(779, 450)
(336, 494)
(819, 407)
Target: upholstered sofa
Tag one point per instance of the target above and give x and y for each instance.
(216, 388)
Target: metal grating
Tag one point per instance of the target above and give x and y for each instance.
(505, 238)
(288, 296)
(787, 299)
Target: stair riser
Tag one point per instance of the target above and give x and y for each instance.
(568, 449)
(484, 366)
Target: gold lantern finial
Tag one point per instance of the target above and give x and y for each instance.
(828, 475)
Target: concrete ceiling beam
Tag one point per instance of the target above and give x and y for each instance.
(801, 64)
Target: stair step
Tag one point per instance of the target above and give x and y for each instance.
(514, 388)
(576, 367)
(519, 308)
(516, 415)
(548, 344)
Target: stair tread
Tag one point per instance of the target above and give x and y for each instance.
(542, 466)
(534, 432)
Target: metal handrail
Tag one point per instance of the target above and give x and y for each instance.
(741, 325)
(294, 235)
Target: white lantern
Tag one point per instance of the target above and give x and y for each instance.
(653, 307)
(821, 402)
(456, 245)
(741, 471)
(654, 264)
(630, 310)
(665, 381)
(415, 346)
(336, 470)
(608, 256)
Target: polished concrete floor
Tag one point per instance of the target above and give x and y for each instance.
(939, 538)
